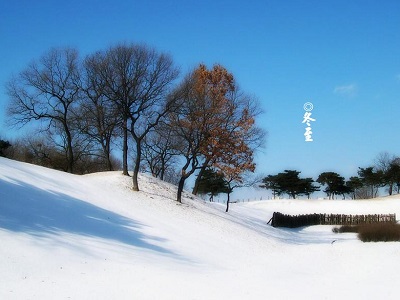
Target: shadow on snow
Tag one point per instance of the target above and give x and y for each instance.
(26, 208)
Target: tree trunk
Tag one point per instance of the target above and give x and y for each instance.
(107, 153)
(136, 168)
(70, 152)
(109, 165)
(162, 171)
(197, 182)
(125, 149)
(180, 189)
(227, 202)
(185, 175)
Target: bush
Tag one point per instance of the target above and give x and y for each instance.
(379, 232)
(346, 228)
(376, 232)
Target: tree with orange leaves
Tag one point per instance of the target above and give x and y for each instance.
(215, 124)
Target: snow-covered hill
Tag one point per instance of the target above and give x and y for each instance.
(65, 236)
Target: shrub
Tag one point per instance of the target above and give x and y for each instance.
(375, 232)
(379, 232)
(346, 228)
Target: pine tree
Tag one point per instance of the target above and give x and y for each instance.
(335, 184)
(212, 183)
(289, 183)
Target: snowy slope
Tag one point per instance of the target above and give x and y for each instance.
(65, 236)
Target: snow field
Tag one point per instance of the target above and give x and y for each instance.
(65, 236)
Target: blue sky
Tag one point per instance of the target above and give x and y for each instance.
(342, 55)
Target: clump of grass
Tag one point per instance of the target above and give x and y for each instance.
(379, 232)
(375, 232)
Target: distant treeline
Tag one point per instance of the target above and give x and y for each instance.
(385, 173)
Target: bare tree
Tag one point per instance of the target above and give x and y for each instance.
(138, 80)
(47, 91)
(38, 148)
(383, 163)
(98, 115)
(240, 179)
(116, 76)
(159, 152)
(188, 123)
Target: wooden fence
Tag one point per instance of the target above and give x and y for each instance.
(281, 220)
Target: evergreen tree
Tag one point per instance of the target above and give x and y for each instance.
(289, 183)
(335, 184)
(307, 187)
(3, 146)
(392, 176)
(212, 183)
(354, 184)
(372, 179)
(271, 183)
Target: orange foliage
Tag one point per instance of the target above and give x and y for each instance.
(223, 122)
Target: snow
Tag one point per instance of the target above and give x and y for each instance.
(66, 236)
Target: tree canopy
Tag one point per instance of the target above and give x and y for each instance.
(213, 125)
(212, 183)
(289, 182)
(335, 184)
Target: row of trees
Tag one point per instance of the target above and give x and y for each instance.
(385, 173)
(40, 149)
(129, 95)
